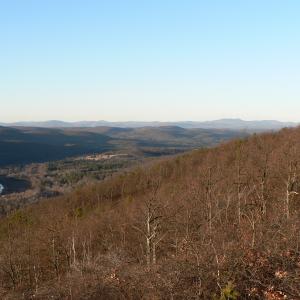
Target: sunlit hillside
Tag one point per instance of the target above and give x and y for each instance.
(220, 223)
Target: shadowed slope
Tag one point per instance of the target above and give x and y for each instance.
(21, 145)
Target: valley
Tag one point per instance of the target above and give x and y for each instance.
(24, 145)
(34, 182)
(40, 163)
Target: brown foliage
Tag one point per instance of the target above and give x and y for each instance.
(180, 228)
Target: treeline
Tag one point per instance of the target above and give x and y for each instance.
(221, 223)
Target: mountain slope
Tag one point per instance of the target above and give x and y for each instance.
(225, 218)
(26, 145)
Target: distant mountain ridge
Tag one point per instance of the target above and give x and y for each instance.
(234, 124)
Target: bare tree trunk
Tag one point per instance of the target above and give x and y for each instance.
(153, 253)
(263, 186)
(252, 224)
(148, 236)
(209, 199)
(36, 279)
(290, 186)
(287, 201)
(55, 259)
(239, 193)
(148, 252)
(74, 249)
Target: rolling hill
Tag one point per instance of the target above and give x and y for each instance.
(21, 145)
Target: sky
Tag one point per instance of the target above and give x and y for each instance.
(166, 60)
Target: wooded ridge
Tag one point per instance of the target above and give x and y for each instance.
(218, 223)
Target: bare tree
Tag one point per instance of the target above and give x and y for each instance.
(152, 224)
(239, 182)
(262, 184)
(291, 183)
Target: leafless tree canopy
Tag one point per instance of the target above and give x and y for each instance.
(220, 223)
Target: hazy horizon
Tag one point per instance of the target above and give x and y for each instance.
(147, 121)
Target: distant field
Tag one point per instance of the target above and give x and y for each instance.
(23, 145)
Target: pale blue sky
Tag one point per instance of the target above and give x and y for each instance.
(149, 60)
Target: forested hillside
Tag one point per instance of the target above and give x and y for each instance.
(23, 145)
(221, 223)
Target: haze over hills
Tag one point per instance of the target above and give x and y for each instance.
(20, 145)
(26, 142)
(235, 124)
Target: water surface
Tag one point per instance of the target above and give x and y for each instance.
(10, 185)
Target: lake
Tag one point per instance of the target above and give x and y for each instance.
(9, 185)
